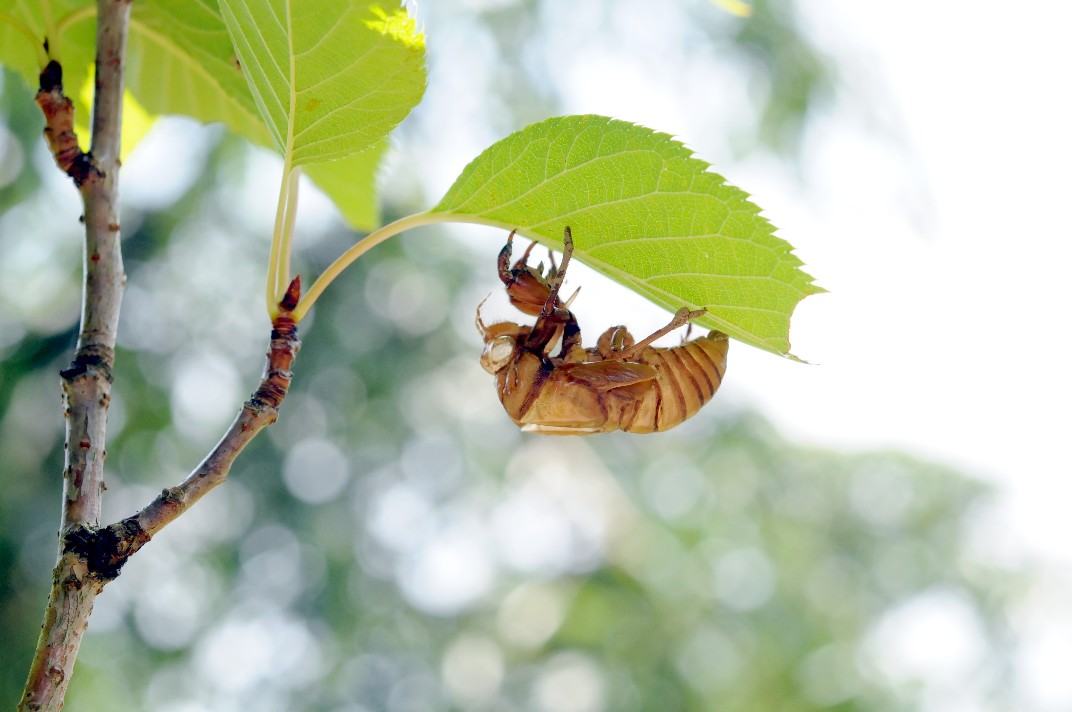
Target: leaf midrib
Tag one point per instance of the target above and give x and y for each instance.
(288, 156)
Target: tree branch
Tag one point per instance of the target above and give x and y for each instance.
(91, 556)
(260, 411)
(87, 382)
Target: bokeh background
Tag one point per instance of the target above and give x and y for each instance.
(884, 530)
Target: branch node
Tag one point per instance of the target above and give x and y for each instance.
(86, 361)
(172, 495)
(291, 297)
(51, 78)
(105, 550)
(59, 127)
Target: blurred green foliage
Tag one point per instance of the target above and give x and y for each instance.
(393, 543)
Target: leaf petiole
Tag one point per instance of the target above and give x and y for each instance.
(282, 239)
(284, 276)
(374, 238)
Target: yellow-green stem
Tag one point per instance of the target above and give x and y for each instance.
(371, 240)
(272, 294)
(283, 277)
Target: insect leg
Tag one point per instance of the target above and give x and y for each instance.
(559, 273)
(552, 271)
(504, 259)
(509, 274)
(523, 261)
(613, 341)
(683, 316)
(571, 332)
(526, 286)
(552, 314)
(571, 335)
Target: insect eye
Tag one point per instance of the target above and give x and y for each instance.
(497, 354)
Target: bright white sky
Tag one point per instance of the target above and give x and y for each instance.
(949, 336)
(946, 334)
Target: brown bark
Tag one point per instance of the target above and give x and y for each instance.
(59, 126)
(87, 382)
(260, 411)
(90, 555)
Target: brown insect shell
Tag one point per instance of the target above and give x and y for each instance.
(500, 344)
(528, 290)
(614, 339)
(589, 391)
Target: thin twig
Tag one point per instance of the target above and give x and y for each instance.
(260, 411)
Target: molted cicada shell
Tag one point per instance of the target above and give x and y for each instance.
(620, 384)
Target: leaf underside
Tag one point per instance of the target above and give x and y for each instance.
(359, 69)
(330, 79)
(646, 213)
(74, 44)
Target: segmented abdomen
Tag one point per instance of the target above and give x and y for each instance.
(688, 377)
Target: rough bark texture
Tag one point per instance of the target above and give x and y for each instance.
(90, 556)
(93, 556)
(59, 126)
(87, 382)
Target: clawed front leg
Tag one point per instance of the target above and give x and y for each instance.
(558, 275)
(553, 315)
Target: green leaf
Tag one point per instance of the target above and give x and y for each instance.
(70, 28)
(354, 178)
(22, 25)
(180, 60)
(68, 25)
(644, 212)
(330, 78)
